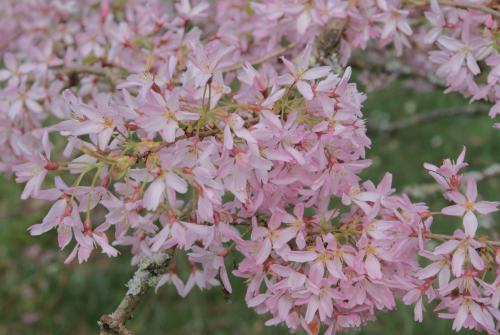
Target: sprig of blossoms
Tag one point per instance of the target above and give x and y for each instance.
(168, 148)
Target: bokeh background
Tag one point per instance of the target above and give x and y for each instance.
(41, 295)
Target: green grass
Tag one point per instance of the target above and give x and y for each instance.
(41, 295)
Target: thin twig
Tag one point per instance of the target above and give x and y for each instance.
(147, 275)
(428, 117)
(442, 237)
(427, 235)
(468, 5)
(90, 69)
(263, 59)
(421, 191)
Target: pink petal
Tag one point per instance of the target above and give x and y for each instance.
(316, 73)
(303, 22)
(471, 192)
(177, 183)
(312, 307)
(450, 43)
(154, 194)
(301, 256)
(446, 248)
(64, 236)
(460, 318)
(472, 64)
(486, 207)
(284, 236)
(335, 268)
(456, 62)
(429, 271)
(296, 155)
(418, 314)
(257, 300)
(475, 259)
(160, 238)
(264, 252)
(470, 224)
(456, 197)
(305, 89)
(457, 262)
(104, 244)
(444, 277)
(228, 138)
(34, 106)
(454, 210)
(296, 280)
(4, 75)
(284, 307)
(52, 219)
(372, 266)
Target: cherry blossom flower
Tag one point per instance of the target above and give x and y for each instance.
(467, 205)
(183, 133)
(300, 74)
(162, 114)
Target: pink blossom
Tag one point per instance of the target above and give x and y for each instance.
(467, 205)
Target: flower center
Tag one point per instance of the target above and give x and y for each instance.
(169, 115)
(469, 206)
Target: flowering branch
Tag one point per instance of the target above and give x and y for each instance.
(443, 237)
(91, 69)
(468, 5)
(183, 151)
(263, 59)
(147, 275)
(429, 117)
(421, 191)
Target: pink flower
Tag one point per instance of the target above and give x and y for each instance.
(460, 251)
(300, 74)
(411, 297)
(23, 99)
(171, 277)
(471, 310)
(296, 230)
(162, 114)
(447, 175)
(34, 171)
(206, 62)
(467, 205)
(100, 121)
(13, 71)
(165, 182)
(440, 266)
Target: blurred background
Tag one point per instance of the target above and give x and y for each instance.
(41, 295)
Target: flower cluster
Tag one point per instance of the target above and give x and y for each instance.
(203, 130)
(461, 266)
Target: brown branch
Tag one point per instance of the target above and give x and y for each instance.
(263, 59)
(422, 118)
(427, 235)
(421, 191)
(90, 69)
(466, 5)
(147, 275)
(442, 237)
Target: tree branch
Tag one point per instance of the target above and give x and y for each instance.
(428, 117)
(442, 237)
(261, 60)
(467, 5)
(90, 69)
(421, 191)
(147, 275)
